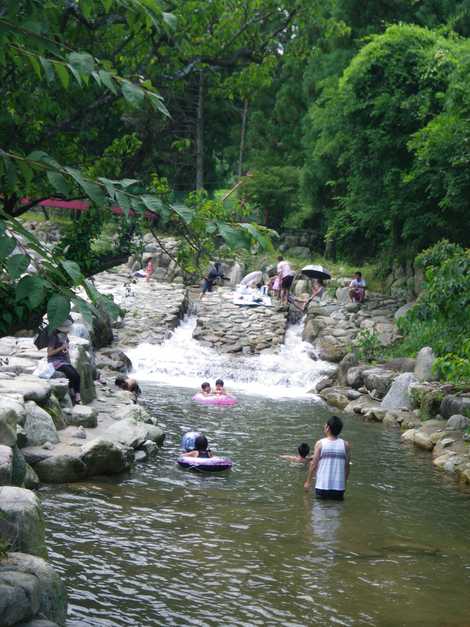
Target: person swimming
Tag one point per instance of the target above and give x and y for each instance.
(219, 388)
(201, 449)
(302, 457)
(206, 389)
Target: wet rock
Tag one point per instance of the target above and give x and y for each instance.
(29, 387)
(424, 362)
(30, 590)
(21, 520)
(39, 426)
(83, 416)
(400, 364)
(457, 422)
(133, 434)
(60, 387)
(102, 457)
(82, 361)
(31, 479)
(6, 465)
(336, 397)
(408, 435)
(360, 405)
(8, 421)
(348, 362)
(378, 380)
(455, 404)
(398, 396)
(354, 376)
(374, 413)
(54, 409)
(330, 349)
(62, 468)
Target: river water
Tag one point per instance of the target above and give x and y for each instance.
(164, 546)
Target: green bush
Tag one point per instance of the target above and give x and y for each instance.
(367, 346)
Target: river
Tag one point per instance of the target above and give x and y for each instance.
(164, 546)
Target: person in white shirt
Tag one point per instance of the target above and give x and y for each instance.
(330, 462)
(357, 288)
(286, 276)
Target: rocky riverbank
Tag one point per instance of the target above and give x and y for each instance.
(401, 393)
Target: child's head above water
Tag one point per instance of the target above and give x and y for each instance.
(304, 449)
(206, 387)
(201, 443)
(219, 383)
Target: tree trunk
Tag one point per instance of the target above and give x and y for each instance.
(242, 137)
(200, 134)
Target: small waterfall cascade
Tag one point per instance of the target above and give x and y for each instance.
(289, 371)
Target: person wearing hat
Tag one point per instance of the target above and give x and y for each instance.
(58, 355)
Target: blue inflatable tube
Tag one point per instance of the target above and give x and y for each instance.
(210, 464)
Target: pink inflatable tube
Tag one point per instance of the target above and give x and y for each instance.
(214, 400)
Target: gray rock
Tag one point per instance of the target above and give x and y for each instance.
(335, 397)
(31, 479)
(378, 380)
(18, 468)
(6, 465)
(424, 363)
(81, 360)
(39, 426)
(21, 520)
(8, 421)
(354, 376)
(457, 422)
(54, 409)
(103, 457)
(342, 295)
(330, 349)
(401, 364)
(19, 365)
(61, 468)
(455, 404)
(398, 396)
(83, 416)
(29, 387)
(402, 311)
(348, 361)
(31, 588)
(133, 434)
(60, 387)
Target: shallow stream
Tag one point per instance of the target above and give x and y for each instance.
(164, 546)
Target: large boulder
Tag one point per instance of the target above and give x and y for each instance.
(54, 409)
(330, 349)
(19, 365)
(29, 387)
(30, 590)
(424, 362)
(21, 520)
(349, 361)
(9, 418)
(378, 380)
(455, 404)
(354, 376)
(39, 426)
(132, 433)
(457, 422)
(103, 457)
(6, 465)
(402, 311)
(82, 361)
(82, 415)
(102, 328)
(63, 468)
(398, 396)
(336, 397)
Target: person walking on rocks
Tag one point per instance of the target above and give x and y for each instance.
(58, 355)
(357, 288)
(330, 463)
(286, 276)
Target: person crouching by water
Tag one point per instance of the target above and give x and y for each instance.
(357, 289)
(200, 448)
(302, 457)
(58, 355)
(214, 273)
(129, 385)
(330, 462)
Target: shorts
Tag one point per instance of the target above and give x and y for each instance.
(333, 495)
(207, 286)
(287, 281)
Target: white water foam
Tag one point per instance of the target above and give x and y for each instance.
(289, 371)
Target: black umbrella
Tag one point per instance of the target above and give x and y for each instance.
(316, 272)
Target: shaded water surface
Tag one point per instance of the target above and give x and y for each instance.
(166, 546)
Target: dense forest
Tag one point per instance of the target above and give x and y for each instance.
(346, 118)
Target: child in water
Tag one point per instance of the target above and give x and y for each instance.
(303, 456)
(200, 448)
(206, 389)
(219, 388)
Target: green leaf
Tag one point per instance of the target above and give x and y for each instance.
(62, 73)
(26, 172)
(107, 4)
(82, 61)
(170, 20)
(59, 183)
(157, 103)
(73, 270)
(17, 265)
(152, 203)
(123, 202)
(92, 190)
(10, 172)
(7, 246)
(48, 69)
(185, 213)
(134, 94)
(108, 81)
(36, 65)
(234, 237)
(85, 309)
(76, 74)
(31, 288)
(58, 308)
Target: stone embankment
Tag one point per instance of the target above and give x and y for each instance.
(400, 393)
(230, 328)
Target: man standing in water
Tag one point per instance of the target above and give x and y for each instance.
(330, 462)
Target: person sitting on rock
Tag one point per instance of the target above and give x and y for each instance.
(219, 388)
(286, 277)
(206, 389)
(58, 355)
(357, 288)
(200, 448)
(303, 456)
(129, 385)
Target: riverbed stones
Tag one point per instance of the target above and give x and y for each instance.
(133, 433)
(336, 397)
(6, 465)
(11, 412)
(28, 387)
(398, 396)
(84, 416)
(62, 468)
(378, 381)
(30, 591)
(457, 422)
(39, 426)
(455, 404)
(21, 520)
(102, 456)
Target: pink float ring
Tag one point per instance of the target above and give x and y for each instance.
(214, 400)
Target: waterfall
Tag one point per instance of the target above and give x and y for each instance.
(291, 370)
